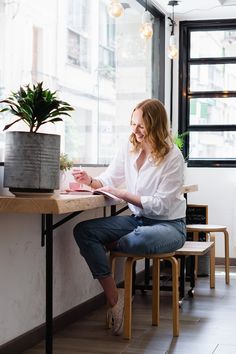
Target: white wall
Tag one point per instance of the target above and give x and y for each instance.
(217, 189)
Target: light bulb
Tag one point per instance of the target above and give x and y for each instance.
(172, 50)
(146, 30)
(115, 9)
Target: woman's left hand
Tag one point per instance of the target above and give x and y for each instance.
(119, 193)
(124, 195)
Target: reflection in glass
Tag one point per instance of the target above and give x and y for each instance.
(213, 77)
(212, 145)
(212, 111)
(213, 44)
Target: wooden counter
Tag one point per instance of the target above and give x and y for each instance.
(52, 205)
(61, 204)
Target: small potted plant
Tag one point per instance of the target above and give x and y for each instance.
(31, 158)
(65, 165)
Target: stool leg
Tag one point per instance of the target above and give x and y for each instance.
(182, 276)
(113, 264)
(175, 295)
(212, 263)
(226, 235)
(155, 291)
(128, 297)
(196, 238)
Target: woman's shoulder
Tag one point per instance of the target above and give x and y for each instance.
(175, 153)
(175, 150)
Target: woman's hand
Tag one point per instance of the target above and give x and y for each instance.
(119, 193)
(124, 194)
(81, 176)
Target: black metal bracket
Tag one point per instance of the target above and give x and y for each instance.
(54, 226)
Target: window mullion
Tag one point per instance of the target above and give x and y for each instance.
(208, 127)
(210, 94)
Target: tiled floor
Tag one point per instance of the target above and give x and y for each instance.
(207, 326)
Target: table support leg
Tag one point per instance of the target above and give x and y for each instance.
(49, 283)
(192, 271)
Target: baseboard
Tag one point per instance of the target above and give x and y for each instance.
(27, 340)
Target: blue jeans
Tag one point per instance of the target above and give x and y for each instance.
(128, 234)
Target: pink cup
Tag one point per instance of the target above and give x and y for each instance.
(74, 186)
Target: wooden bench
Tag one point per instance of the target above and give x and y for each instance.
(190, 248)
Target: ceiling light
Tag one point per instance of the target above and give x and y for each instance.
(115, 8)
(172, 50)
(146, 30)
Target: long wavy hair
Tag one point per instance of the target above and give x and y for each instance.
(157, 127)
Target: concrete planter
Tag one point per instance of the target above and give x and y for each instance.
(32, 162)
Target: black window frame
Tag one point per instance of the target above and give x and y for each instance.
(186, 27)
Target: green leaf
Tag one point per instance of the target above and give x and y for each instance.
(35, 106)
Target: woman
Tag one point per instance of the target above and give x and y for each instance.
(152, 168)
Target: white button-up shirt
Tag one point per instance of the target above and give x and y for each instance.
(159, 186)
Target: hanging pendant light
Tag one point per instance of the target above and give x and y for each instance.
(172, 50)
(115, 8)
(146, 30)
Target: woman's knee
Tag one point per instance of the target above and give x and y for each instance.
(80, 232)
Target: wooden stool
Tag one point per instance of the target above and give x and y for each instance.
(197, 228)
(192, 249)
(128, 277)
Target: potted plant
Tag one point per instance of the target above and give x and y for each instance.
(179, 141)
(31, 158)
(65, 165)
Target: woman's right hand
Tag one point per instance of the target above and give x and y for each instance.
(81, 176)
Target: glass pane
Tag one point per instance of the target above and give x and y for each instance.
(113, 87)
(210, 44)
(213, 77)
(92, 61)
(212, 111)
(212, 145)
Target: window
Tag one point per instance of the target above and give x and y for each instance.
(207, 101)
(100, 65)
(78, 50)
(107, 39)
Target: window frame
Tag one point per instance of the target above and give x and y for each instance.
(81, 33)
(186, 27)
